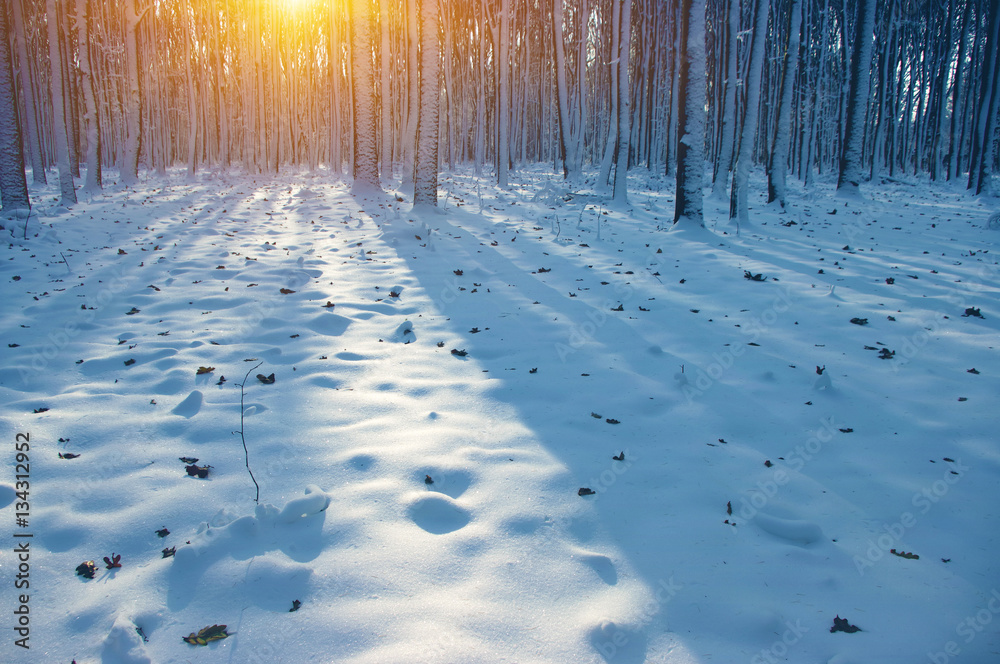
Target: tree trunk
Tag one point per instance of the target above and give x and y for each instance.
(30, 125)
(624, 104)
(91, 118)
(728, 116)
(133, 97)
(425, 172)
(609, 149)
(982, 138)
(739, 206)
(385, 93)
(568, 143)
(957, 97)
(69, 88)
(503, 106)
(778, 165)
(857, 100)
(688, 207)
(13, 185)
(192, 101)
(56, 82)
(365, 135)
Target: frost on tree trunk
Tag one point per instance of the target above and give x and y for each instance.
(29, 127)
(363, 70)
(133, 98)
(13, 185)
(426, 163)
(568, 143)
(739, 206)
(624, 112)
(857, 100)
(192, 100)
(385, 98)
(503, 85)
(777, 165)
(66, 186)
(93, 182)
(724, 163)
(609, 150)
(412, 91)
(688, 207)
(981, 158)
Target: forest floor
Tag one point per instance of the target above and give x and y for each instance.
(804, 416)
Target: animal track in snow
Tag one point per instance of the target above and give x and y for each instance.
(437, 513)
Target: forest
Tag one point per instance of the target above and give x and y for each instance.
(534, 331)
(377, 90)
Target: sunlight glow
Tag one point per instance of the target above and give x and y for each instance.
(293, 6)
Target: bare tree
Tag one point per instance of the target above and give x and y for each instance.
(624, 105)
(688, 207)
(859, 84)
(363, 70)
(739, 206)
(425, 175)
(777, 164)
(67, 188)
(13, 185)
(133, 95)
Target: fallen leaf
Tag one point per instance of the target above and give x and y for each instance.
(86, 569)
(206, 635)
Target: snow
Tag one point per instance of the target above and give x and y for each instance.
(422, 505)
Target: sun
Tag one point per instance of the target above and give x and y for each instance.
(293, 6)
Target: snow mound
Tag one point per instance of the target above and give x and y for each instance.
(123, 645)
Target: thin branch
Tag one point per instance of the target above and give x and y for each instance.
(246, 454)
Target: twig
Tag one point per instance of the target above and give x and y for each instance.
(246, 454)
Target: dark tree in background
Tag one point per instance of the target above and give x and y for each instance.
(13, 185)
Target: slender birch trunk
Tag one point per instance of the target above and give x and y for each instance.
(57, 85)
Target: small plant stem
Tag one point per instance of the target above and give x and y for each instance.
(246, 454)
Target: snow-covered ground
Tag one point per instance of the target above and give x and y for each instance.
(444, 385)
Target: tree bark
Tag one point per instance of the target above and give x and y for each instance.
(568, 143)
(385, 92)
(778, 163)
(982, 139)
(503, 106)
(727, 115)
(688, 206)
(739, 206)
(624, 104)
(133, 96)
(365, 134)
(30, 125)
(13, 185)
(67, 188)
(94, 181)
(857, 100)
(425, 172)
